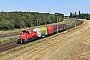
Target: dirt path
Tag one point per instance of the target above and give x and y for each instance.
(72, 45)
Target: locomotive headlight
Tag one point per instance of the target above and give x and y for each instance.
(18, 37)
(21, 35)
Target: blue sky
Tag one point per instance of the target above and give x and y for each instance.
(61, 6)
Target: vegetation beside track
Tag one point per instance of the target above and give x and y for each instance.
(8, 41)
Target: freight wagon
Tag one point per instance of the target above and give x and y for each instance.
(50, 30)
(59, 27)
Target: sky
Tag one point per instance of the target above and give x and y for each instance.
(60, 6)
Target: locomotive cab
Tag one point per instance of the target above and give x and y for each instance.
(24, 36)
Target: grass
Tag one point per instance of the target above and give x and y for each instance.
(8, 41)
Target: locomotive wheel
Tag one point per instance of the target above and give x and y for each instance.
(26, 40)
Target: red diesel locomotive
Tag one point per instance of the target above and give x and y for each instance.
(26, 36)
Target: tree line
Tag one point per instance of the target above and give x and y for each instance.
(17, 20)
(80, 15)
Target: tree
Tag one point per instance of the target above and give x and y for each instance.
(18, 19)
(71, 15)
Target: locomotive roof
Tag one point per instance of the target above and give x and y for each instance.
(28, 31)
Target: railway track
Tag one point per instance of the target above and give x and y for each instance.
(8, 46)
